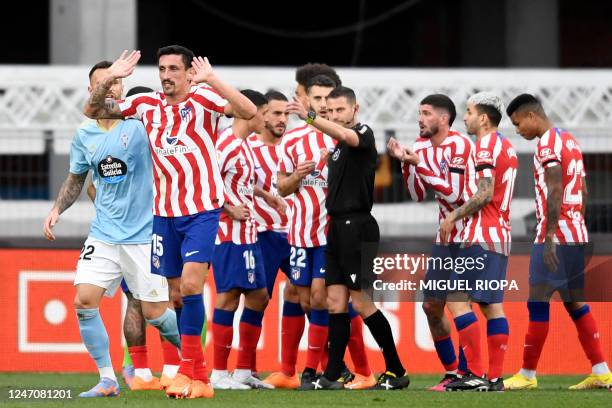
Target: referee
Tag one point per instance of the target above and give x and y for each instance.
(352, 237)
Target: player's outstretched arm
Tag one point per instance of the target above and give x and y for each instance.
(67, 196)
(482, 197)
(97, 106)
(340, 133)
(413, 181)
(238, 106)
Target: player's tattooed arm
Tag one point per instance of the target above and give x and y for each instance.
(554, 184)
(70, 191)
(67, 196)
(98, 106)
(482, 197)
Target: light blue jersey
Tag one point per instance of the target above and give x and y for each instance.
(123, 176)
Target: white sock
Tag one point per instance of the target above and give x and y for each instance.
(107, 372)
(170, 370)
(601, 368)
(143, 373)
(454, 372)
(530, 374)
(216, 374)
(241, 374)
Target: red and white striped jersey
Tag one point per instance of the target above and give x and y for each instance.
(445, 169)
(558, 147)
(308, 223)
(182, 139)
(266, 158)
(495, 158)
(238, 171)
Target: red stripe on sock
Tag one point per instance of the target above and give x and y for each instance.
(317, 337)
(497, 345)
(469, 338)
(534, 343)
(171, 353)
(249, 337)
(139, 356)
(588, 334)
(292, 329)
(357, 349)
(222, 345)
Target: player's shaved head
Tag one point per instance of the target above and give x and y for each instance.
(443, 102)
(100, 65)
(487, 103)
(526, 103)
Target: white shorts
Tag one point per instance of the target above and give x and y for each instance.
(104, 265)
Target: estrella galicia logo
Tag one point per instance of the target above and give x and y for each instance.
(186, 113)
(112, 170)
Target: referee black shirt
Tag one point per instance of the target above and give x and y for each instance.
(351, 175)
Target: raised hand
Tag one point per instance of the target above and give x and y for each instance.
(124, 65)
(296, 107)
(203, 71)
(395, 149)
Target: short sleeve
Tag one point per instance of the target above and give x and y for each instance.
(286, 162)
(210, 99)
(133, 107)
(78, 157)
(366, 136)
(485, 159)
(548, 152)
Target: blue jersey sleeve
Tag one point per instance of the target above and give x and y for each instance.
(78, 157)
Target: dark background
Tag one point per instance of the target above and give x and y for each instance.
(429, 33)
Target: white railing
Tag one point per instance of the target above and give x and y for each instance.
(50, 98)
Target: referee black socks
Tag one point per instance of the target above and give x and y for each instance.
(381, 331)
(338, 336)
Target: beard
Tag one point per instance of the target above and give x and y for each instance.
(275, 132)
(428, 133)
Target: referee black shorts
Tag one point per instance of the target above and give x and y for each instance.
(352, 244)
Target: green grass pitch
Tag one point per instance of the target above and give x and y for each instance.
(552, 392)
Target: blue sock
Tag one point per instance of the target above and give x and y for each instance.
(223, 317)
(192, 318)
(167, 326)
(251, 317)
(319, 317)
(538, 311)
(178, 311)
(577, 314)
(497, 326)
(352, 313)
(446, 350)
(463, 321)
(94, 336)
(292, 309)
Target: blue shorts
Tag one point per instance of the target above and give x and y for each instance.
(177, 240)
(306, 264)
(238, 267)
(442, 256)
(276, 252)
(479, 273)
(569, 274)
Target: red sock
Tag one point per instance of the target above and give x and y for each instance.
(497, 345)
(199, 367)
(534, 343)
(254, 363)
(222, 345)
(139, 356)
(292, 329)
(588, 334)
(171, 354)
(191, 349)
(249, 337)
(469, 338)
(356, 347)
(317, 337)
